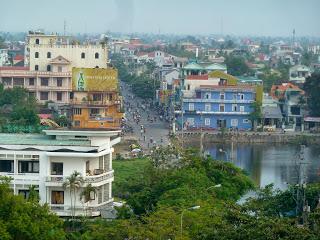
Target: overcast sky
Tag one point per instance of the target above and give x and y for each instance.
(237, 17)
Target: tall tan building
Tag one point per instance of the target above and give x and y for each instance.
(49, 60)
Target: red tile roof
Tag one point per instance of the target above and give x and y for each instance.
(18, 57)
(197, 77)
(280, 89)
(14, 68)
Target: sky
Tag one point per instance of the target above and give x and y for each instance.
(233, 17)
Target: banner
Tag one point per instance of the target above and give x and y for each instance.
(94, 79)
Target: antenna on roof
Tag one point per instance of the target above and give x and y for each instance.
(293, 38)
(64, 27)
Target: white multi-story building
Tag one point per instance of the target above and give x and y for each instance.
(49, 60)
(4, 58)
(46, 160)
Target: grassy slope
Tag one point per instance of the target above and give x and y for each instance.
(125, 171)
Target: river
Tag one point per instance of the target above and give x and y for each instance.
(271, 163)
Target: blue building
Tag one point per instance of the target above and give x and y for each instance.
(215, 107)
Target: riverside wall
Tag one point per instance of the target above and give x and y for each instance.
(250, 137)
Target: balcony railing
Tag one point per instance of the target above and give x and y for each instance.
(204, 100)
(87, 179)
(95, 103)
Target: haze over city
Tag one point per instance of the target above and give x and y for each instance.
(247, 17)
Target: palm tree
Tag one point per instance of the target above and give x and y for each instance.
(88, 193)
(73, 182)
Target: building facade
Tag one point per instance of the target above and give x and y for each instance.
(45, 161)
(49, 60)
(216, 107)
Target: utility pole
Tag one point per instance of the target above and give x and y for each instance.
(64, 27)
(302, 204)
(182, 121)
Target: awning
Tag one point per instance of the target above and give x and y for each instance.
(312, 119)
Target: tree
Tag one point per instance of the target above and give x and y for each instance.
(28, 220)
(256, 114)
(312, 89)
(73, 182)
(88, 193)
(237, 66)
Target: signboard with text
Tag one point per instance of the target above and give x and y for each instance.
(94, 79)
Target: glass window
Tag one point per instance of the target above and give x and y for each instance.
(18, 82)
(234, 122)
(221, 108)
(49, 68)
(56, 168)
(96, 55)
(191, 107)
(36, 54)
(6, 165)
(234, 107)
(48, 54)
(83, 55)
(31, 81)
(241, 108)
(44, 81)
(28, 166)
(59, 68)
(190, 121)
(37, 41)
(222, 96)
(59, 96)
(207, 107)
(207, 121)
(241, 96)
(77, 111)
(44, 95)
(57, 197)
(59, 82)
(36, 67)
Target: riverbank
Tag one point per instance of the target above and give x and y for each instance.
(250, 137)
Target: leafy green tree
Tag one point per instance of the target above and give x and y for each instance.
(27, 220)
(312, 89)
(73, 183)
(237, 66)
(256, 114)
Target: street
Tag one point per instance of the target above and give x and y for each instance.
(147, 127)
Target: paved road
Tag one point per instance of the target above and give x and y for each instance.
(156, 132)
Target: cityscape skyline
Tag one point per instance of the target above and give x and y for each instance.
(268, 18)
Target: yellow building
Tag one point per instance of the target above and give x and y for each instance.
(95, 102)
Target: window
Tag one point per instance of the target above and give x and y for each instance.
(7, 81)
(234, 122)
(222, 96)
(36, 54)
(48, 54)
(97, 66)
(241, 108)
(221, 123)
(18, 82)
(97, 97)
(77, 123)
(44, 95)
(246, 121)
(207, 107)
(94, 112)
(207, 96)
(6, 165)
(234, 96)
(59, 96)
(57, 197)
(56, 168)
(234, 107)
(83, 55)
(241, 96)
(221, 108)
(191, 106)
(207, 121)
(188, 87)
(49, 68)
(96, 55)
(31, 81)
(37, 41)
(77, 111)
(59, 68)
(44, 81)
(190, 121)
(59, 82)
(28, 166)
(36, 67)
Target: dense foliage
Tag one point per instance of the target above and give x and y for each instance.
(312, 89)
(22, 219)
(18, 110)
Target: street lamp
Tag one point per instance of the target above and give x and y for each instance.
(181, 218)
(225, 152)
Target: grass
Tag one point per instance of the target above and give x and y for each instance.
(125, 172)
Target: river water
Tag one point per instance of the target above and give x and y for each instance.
(269, 163)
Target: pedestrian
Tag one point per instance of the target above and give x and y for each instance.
(144, 138)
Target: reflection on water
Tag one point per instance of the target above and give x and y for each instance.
(267, 164)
